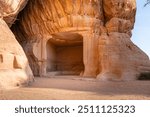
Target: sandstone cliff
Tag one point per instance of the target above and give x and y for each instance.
(14, 67)
(90, 38)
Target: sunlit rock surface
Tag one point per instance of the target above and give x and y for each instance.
(14, 66)
(90, 38)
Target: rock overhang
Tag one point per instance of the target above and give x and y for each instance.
(102, 27)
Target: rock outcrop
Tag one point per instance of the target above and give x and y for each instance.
(90, 38)
(9, 9)
(119, 57)
(14, 66)
(86, 37)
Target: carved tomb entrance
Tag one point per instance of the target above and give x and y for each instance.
(65, 54)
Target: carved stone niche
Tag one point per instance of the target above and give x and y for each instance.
(65, 54)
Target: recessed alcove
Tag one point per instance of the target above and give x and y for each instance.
(65, 54)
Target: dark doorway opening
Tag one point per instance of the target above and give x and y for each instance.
(65, 54)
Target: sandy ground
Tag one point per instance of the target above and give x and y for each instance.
(72, 88)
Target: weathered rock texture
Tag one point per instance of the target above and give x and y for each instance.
(119, 57)
(69, 27)
(14, 67)
(86, 37)
(9, 9)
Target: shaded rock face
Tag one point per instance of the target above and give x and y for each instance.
(14, 66)
(90, 38)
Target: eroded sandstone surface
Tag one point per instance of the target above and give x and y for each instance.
(90, 38)
(14, 66)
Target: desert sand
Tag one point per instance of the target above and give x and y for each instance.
(76, 88)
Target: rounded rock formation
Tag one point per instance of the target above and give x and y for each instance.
(14, 66)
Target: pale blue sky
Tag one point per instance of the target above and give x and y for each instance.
(141, 32)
